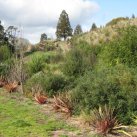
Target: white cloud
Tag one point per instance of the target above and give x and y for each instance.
(39, 16)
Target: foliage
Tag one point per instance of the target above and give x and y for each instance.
(115, 86)
(49, 84)
(1, 33)
(104, 120)
(116, 21)
(4, 53)
(135, 119)
(123, 49)
(133, 16)
(80, 59)
(63, 103)
(78, 30)
(63, 27)
(43, 37)
(41, 99)
(5, 68)
(35, 65)
(93, 27)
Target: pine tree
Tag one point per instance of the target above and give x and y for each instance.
(78, 30)
(63, 27)
(94, 27)
(43, 37)
(133, 16)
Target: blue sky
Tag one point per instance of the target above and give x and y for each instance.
(110, 9)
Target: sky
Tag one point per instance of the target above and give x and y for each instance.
(41, 16)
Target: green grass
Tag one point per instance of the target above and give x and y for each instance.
(20, 117)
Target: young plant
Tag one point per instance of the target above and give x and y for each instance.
(104, 121)
(11, 87)
(41, 99)
(62, 103)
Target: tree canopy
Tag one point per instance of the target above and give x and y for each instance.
(43, 37)
(63, 27)
(78, 30)
(93, 27)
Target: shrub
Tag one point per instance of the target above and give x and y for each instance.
(35, 65)
(5, 68)
(62, 103)
(53, 57)
(104, 120)
(80, 59)
(4, 53)
(74, 64)
(50, 84)
(123, 49)
(115, 86)
(54, 83)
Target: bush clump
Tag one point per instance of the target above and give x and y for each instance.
(35, 65)
(122, 50)
(116, 86)
(50, 84)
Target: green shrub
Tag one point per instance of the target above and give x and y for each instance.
(54, 83)
(53, 57)
(51, 84)
(116, 86)
(122, 50)
(74, 63)
(4, 53)
(80, 59)
(5, 68)
(35, 65)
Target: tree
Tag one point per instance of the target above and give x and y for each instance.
(43, 37)
(63, 27)
(133, 16)
(94, 27)
(78, 30)
(1, 33)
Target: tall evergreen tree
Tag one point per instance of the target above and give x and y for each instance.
(133, 16)
(93, 27)
(78, 30)
(63, 27)
(43, 37)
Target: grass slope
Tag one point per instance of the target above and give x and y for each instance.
(20, 117)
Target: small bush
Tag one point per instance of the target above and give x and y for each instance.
(35, 65)
(51, 84)
(4, 53)
(54, 83)
(104, 120)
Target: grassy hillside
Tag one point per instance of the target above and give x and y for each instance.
(107, 33)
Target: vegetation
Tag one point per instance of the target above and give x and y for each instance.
(90, 70)
(63, 27)
(115, 21)
(43, 37)
(93, 27)
(78, 30)
(21, 117)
